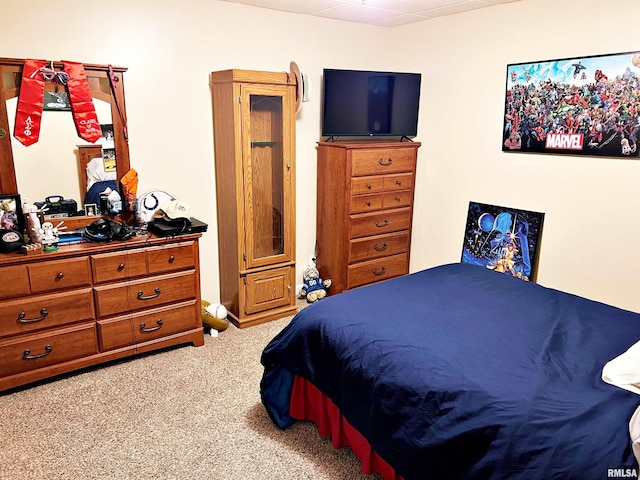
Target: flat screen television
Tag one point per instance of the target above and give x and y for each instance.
(365, 103)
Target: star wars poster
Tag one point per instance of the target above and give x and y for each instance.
(575, 106)
(505, 240)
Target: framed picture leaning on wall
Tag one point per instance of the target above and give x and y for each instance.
(503, 239)
(574, 106)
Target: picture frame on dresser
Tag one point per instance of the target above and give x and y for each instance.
(90, 209)
(11, 213)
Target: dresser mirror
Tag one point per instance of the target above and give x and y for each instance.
(37, 177)
(53, 166)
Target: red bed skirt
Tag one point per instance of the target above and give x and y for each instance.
(310, 404)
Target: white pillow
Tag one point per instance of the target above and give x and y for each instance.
(624, 370)
(634, 432)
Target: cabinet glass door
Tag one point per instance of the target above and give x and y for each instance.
(267, 175)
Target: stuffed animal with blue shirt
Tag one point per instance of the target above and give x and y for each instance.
(315, 288)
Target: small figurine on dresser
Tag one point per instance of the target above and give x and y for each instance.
(50, 236)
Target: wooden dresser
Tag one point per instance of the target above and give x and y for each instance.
(90, 303)
(364, 211)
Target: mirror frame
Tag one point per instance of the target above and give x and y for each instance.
(97, 75)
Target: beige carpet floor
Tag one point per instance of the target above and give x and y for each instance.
(182, 413)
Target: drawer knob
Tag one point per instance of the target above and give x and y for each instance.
(383, 224)
(143, 327)
(382, 271)
(121, 267)
(369, 186)
(171, 259)
(141, 295)
(397, 199)
(398, 182)
(387, 163)
(380, 248)
(43, 315)
(59, 276)
(27, 353)
(368, 203)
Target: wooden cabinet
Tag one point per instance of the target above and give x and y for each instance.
(254, 140)
(364, 211)
(90, 303)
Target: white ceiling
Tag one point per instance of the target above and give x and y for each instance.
(387, 13)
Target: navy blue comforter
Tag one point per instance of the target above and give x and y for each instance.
(462, 372)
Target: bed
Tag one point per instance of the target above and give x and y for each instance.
(459, 372)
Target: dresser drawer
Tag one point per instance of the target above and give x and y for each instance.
(400, 198)
(148, 325)
(378, 161)
(360, 185)
(375, 223)
(171, 257)
(26, 353)
(401, 181)
(366, 203)
(112, 266)
(36, 312)
(378, 246)
(59, 274)
(145, 293)
(165, 321)
(376, 270)
(115, 333)
(18, 284)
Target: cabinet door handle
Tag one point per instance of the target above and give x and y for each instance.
(151, 329)
(387, 163)
(382, 271)
(149, 297)
(27, 353)
(383, 224)
(380, 248)
(43, 315)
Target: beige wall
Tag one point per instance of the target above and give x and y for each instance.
(170, 46)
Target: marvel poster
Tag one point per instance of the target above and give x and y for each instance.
(576, 106)
(502, 239)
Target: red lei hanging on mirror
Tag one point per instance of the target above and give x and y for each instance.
(84, 113)
(31, 101)
(29, 110)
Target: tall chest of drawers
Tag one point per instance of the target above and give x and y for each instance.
(90, 303)
(364, 211)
